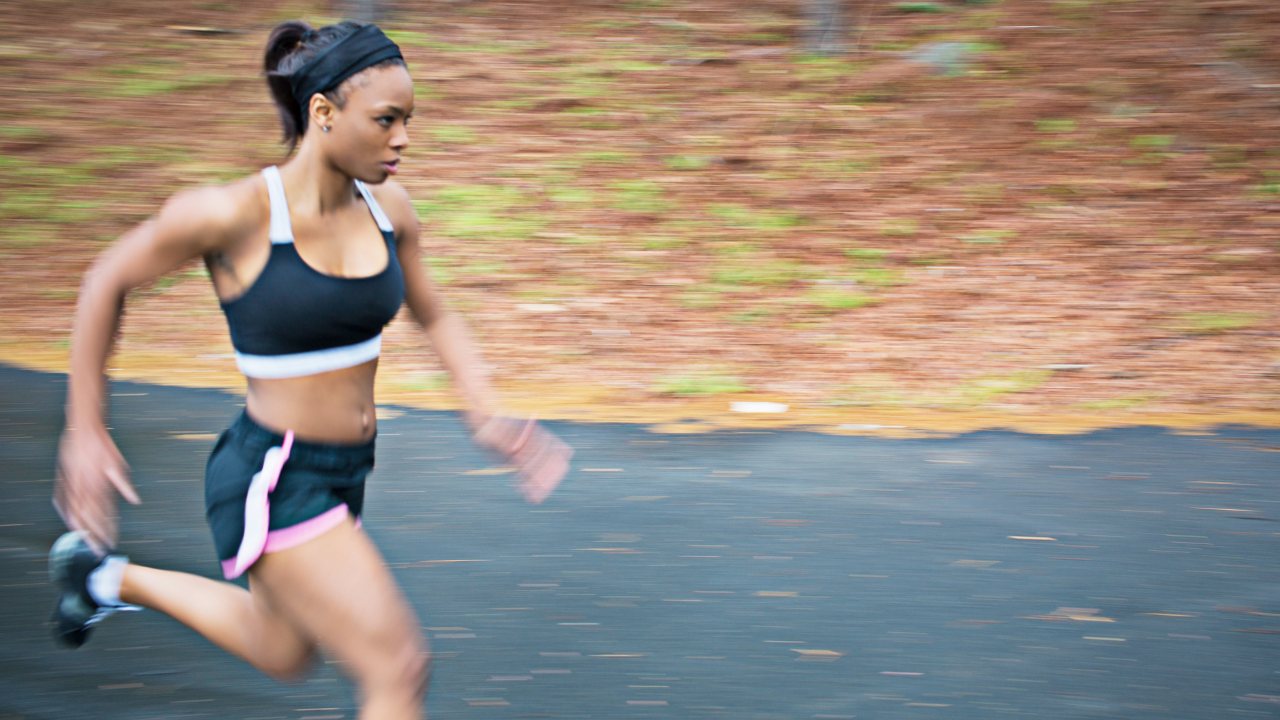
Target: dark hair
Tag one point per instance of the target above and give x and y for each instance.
(291, 45)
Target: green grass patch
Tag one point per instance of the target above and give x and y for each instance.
(630, 66)
(701, 297)
(445, 135)
(988, 237)
(988, 388)
(878, 277)
(739, 216)
(700, 384)
(480, 212)
(1056, 126)
(569, 195)
(735, 248)
(920, 7)
(23, 133)
(439, 268)
(1270, 186)
(870, 256)
(435, 382)
(606, 157)
(835, 299)
(1213, 323)
(1152, 142)
(1153, 147)
(761, 272)
(686, 162)
(750, 316)
(641, 196)
(150, 80)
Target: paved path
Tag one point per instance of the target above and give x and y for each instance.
(1122, 574)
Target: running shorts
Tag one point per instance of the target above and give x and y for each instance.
(310, 492)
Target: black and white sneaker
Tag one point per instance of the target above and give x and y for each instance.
(75, 612)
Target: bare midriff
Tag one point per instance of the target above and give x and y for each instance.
(335, 407)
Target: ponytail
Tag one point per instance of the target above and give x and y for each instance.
(285, 41)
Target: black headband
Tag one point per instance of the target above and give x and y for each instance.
(340, 60)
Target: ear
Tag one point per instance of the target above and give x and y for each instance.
(320, 111)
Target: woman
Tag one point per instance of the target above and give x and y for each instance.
(309, 260)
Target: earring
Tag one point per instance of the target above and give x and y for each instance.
(324, 128)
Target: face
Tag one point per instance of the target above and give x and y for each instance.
(368, 134)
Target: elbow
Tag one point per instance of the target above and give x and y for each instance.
(101, 285)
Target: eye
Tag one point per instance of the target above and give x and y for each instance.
(386, 120)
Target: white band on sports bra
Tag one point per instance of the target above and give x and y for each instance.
(272, 367)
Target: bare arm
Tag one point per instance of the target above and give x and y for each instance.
(190, 225)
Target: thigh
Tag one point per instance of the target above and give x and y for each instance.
(337, 589)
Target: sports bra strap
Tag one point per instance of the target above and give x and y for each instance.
(281, 231)
(378, 216)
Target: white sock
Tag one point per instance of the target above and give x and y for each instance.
(104, 582)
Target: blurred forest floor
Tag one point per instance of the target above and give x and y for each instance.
(650, 209)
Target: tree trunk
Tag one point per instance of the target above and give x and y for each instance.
(824, 27)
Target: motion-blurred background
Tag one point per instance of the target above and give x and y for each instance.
(1045, 211)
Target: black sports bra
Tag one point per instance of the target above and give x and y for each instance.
(295, 320)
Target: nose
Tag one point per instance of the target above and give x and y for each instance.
(400, 138)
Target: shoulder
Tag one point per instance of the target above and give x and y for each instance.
(216, 214)
(396, 203)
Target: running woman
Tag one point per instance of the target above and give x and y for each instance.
(309, 261)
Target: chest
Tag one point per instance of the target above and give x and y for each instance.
(349, 245)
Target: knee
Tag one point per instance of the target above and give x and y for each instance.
(418, 670)
(408, 667)
(414, 666)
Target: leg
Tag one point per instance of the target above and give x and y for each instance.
(242, 623)
(337, 590)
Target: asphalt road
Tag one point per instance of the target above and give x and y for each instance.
(1121, 574)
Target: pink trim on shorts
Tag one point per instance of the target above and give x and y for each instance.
(295, 535)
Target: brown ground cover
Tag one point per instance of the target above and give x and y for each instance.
(650, 209)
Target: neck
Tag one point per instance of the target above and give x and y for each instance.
(314, 185)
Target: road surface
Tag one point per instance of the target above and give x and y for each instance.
(1122, 574)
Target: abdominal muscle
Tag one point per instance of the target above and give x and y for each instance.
(335, 407)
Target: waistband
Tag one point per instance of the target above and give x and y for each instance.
(320, 456)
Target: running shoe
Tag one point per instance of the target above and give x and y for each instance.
(75, 612)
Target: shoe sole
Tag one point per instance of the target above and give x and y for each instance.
(61, 555)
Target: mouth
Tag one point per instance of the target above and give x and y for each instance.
(391, 167)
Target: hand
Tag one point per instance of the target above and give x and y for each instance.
(541, 459)
(89, 465)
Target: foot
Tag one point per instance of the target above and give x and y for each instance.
(75, 612)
